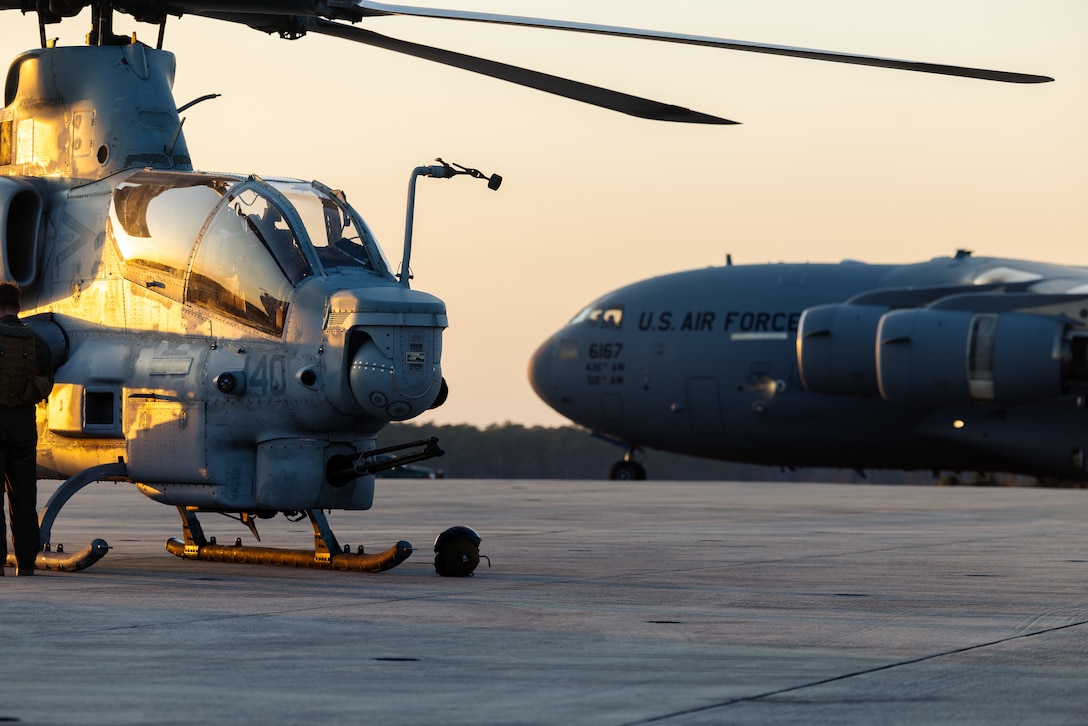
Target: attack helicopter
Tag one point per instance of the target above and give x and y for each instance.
(232, 343)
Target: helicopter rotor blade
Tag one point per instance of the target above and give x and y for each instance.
(574, 90)
(296, 26)
(294, 18)
(376, 8)
(355, 10)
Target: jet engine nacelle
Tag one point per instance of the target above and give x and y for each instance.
(946, 357)
(836, 349)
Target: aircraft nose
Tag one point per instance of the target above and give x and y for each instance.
(540, 372)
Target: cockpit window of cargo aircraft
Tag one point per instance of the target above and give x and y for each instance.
(340, 236)
(247, 262)
(598, 316)
(155, 218)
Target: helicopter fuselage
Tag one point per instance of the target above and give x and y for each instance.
(225, 336)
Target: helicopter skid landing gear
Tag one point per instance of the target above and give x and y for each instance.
(59, 560)
(327, 553)
(62, 561)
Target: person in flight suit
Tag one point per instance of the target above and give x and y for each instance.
(26, 377)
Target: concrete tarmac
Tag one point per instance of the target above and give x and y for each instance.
(605, 603)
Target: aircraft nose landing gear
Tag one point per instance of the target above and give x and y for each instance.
(627, 470)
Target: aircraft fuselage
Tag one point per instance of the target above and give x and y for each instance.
(712, 363)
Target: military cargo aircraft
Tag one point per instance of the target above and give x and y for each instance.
(961, 363)
(230, 342)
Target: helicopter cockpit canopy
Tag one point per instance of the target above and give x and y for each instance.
(237, 245)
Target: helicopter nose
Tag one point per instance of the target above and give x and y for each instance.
(391, 342)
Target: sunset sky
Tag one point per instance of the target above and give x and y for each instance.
(830, 162)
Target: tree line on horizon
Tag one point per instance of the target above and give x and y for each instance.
(513, 451)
